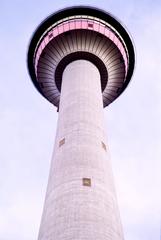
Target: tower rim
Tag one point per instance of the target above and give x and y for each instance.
(72, 11)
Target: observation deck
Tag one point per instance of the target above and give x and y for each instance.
(81, 33)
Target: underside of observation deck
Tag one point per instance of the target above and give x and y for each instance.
(81, 33)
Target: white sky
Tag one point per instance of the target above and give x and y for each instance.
(28, 122)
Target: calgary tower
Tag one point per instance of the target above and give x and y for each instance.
(80, 59)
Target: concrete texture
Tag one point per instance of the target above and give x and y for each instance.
(80, 202)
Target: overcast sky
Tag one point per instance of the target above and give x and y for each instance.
(28, 122)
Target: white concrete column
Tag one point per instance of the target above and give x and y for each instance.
(80, 202)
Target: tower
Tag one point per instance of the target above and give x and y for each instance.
(81, 59)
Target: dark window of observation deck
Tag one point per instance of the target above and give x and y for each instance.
(90, 25)
(50, 35)
(86, 182)
(62, 142)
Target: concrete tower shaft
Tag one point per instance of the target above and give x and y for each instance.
(80, 201)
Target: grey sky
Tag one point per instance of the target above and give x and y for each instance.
(28, 122)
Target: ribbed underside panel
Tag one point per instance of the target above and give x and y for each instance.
(85, 41)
